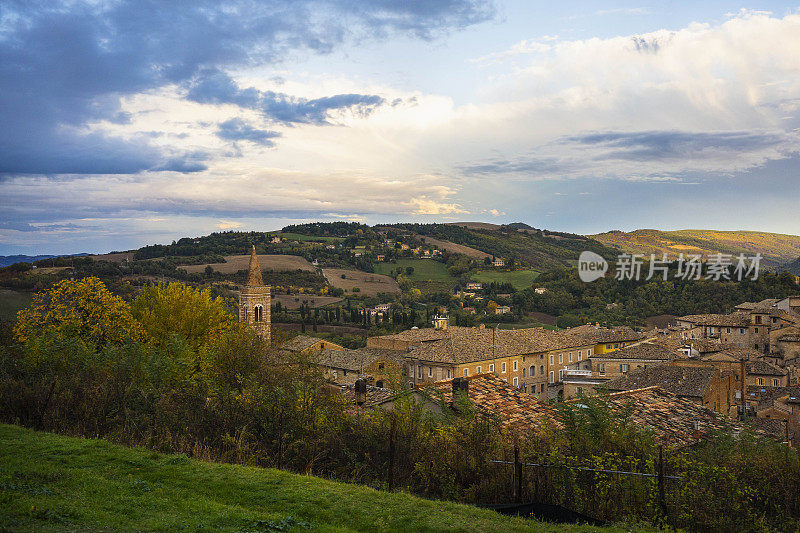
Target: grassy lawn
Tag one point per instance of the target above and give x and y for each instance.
(520, 279)
(424, 269)
(11, 302)
(55, 483)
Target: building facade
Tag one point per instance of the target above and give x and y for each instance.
(255, 301)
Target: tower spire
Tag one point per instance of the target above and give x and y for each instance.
(254, 278)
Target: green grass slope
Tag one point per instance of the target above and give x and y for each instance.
(776, 248)
(55, 483)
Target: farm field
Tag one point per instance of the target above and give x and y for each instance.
(293, 301)
(368, 284)
(304, 238)
(424, 269)
(54, 483)
(456, 248)
(118, 257)
(234, 263)
(520, 279)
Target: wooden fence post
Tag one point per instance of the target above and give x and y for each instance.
(517, 487)
(662, 501)
(392, 435)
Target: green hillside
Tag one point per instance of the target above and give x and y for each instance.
(54, 483)
(775, 248)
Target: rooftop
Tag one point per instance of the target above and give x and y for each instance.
(681, 380)
(300, 343)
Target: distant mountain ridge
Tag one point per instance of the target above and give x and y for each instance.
(777, 249)
(6, 260)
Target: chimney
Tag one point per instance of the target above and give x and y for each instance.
(460, 385)
(361, 391)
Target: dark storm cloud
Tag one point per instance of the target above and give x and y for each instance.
(237, 129)
(63, 66)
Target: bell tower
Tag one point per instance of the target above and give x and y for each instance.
(254, 300)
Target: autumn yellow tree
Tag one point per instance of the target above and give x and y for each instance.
(174, 308)
(85, 309)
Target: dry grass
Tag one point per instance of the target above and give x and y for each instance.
(455, 248)
(119, 257)
(369, 284)
(235, 263)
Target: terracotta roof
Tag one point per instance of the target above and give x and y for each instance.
(681, 380)
(737, 319)
(254, 278)
(351, 360)
(513, 408)
(300, 343)
(766, 396)
(791, 334)
(645, 350)
(599, 335)
(465, 345)
(763, 368)
(375, 395)
(674, 420)
(737, 353)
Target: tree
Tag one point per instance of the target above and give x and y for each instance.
(491, 307)
(175, 308)
(409, 270)
(83, 308)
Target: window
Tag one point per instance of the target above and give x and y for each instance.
(503, 367)
(589, 352)
(552, 377)
(741, 331)
(551, 359)
(430, 371)
(533, 370)
(580, 355)
(760, 381)
(560, 374)
(448, 373)
(609, 346)
(774, 382)
(542, 388)
(541, 369)
(466, 372)
(756, 330)
(727, 330)
(602, 368)
(560, 358)
(624, 367)
(758, 319)
(515, 366)
(570, 357)
(616, 345)
(419, 371)
(380, 366)
(258, 313)
(516, 382)
(479, 369)
(491, 367)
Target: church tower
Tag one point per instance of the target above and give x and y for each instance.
(254, 300)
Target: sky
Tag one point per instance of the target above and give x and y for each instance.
(131, 123)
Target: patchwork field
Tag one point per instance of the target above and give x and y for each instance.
(368, 284)
(520, 279)
(293, 301)
(424, 269)
(235, 263)
(776, 248)
(54, 483)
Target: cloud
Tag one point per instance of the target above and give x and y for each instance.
(237, 129)
(65, 66)
(215, 87)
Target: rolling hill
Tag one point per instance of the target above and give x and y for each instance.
(775, 248)
(53, 483)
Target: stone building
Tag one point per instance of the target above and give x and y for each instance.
(254, 300)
